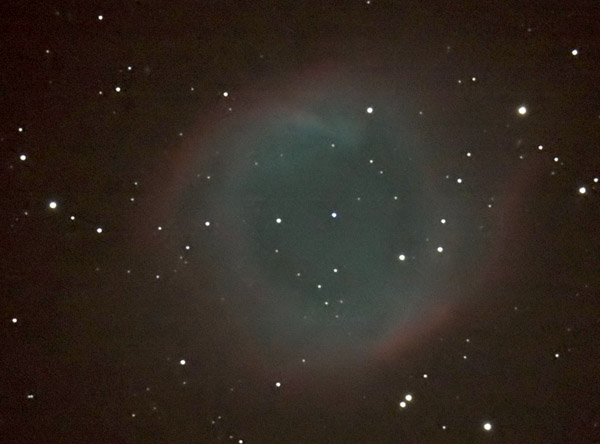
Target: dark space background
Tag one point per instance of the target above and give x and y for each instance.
(300, 222)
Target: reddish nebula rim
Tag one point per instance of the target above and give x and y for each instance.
(224, 148)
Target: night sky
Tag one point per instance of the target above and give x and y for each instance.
(302, 222)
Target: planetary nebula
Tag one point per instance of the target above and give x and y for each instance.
(327, 222)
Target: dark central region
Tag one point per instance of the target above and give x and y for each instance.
(327, 213)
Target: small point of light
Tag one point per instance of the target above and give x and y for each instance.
(557, 355)
(443, 427)
(595, 180)
(522, 110)
(23, 157)
(319, 286)
(100, 17)
(487, 426)
(469, 154)
(443, 221)
(15, 320)
(334, 214)
(72, 218)
(29, 396)
(117, 88)
(574, 52)
(582, 190)
(540, 147)
(278, 220)
(459, 180)
(129, 68)
(425, 376)
(99, 230)
(278, 384)
(408, 397)
(440, 249)
(370, 110)
(182, 362)
(556, 159)
(335, 270)
(225, 94)
(159, 228)
(473, 79)
(402, 257)
(53, 205)
(402, 404)
(187, 247)
(20, 129)
(207, 223)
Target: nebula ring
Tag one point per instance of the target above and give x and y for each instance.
(325, 212)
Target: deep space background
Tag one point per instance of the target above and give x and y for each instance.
(300, 222)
